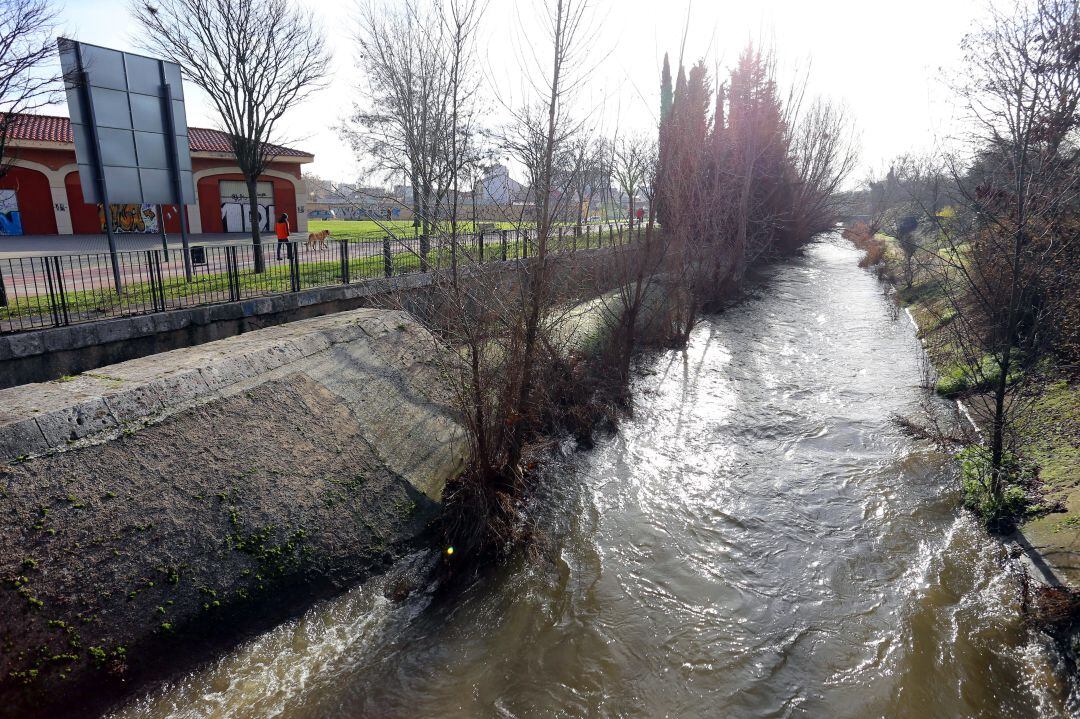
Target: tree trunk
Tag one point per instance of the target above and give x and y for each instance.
(256, 235)
(997, 432)
(425, 238)
(425, 214)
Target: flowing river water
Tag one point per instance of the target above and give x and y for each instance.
(758, 540)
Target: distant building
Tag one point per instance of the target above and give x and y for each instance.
(41, 194)
(404, 194)
(496, 187)
(348, 201)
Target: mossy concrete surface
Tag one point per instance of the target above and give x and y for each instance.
(162, 498)
(1051, 435)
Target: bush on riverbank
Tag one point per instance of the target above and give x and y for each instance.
(955, 380)
(999, 511)
(863, 237)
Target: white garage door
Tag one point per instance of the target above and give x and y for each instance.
(235, 216)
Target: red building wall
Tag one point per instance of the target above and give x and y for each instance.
(36, 204)
(84, 217)
(53, 158)
(34, 198)
(209, 191)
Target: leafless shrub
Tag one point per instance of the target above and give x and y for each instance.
(26, 45)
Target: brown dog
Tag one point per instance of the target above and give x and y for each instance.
(317, 238)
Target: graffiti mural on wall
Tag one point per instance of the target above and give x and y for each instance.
(10, 219)
(131, 218)
(235, 210)
(234, 216)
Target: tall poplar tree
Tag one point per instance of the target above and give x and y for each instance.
(666, 93)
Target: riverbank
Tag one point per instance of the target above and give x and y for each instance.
(1049, 433)
(1045, 533)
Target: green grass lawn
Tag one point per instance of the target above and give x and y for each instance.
(349, 229)
(368, 230)
(213, 287)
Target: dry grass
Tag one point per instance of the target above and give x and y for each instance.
(861, 235)
(1055, 610)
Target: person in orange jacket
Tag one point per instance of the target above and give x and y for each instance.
(282, 229)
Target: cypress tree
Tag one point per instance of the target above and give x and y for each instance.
(666, 93)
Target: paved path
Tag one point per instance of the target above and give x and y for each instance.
(39, 245)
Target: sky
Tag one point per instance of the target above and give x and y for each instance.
(889, 64)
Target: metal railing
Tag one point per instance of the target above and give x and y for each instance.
(58, 290)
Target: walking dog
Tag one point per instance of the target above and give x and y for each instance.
(317, 238)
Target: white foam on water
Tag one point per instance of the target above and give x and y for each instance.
(264, 676)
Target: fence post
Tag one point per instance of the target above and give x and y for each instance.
(388, 257)
(294, 266)
(60, 289)
(153, 281)
(50, 285)
(344, 261)
(3, 289)
(232, 270)
(480, 247)
(504, 245)
(160, 280)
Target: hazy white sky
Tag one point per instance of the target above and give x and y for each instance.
(886, 62)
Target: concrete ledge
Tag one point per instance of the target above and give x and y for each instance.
(368, 357)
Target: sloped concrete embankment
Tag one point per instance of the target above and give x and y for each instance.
(160, 499)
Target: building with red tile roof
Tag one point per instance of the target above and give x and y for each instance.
(42, 186)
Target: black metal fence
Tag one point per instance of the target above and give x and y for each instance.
(58, 290)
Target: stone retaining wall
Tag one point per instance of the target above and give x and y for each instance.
(152, 500)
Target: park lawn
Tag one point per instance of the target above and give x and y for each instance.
(369, 230)
(350, 229)
(207, 288)
(214, 287)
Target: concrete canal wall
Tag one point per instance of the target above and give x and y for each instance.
(150, 501)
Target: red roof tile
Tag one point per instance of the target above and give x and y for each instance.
(49, 128)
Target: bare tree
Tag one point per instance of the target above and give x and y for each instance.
(539, 137)
(418, 100)
(824, 155)
(591, 177)
(635, 268)
(256, 60)
(460, 22)
(1020, 192)
(26, 45)
(506, 330)
(632, 166)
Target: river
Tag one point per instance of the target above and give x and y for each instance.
(757, 540)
